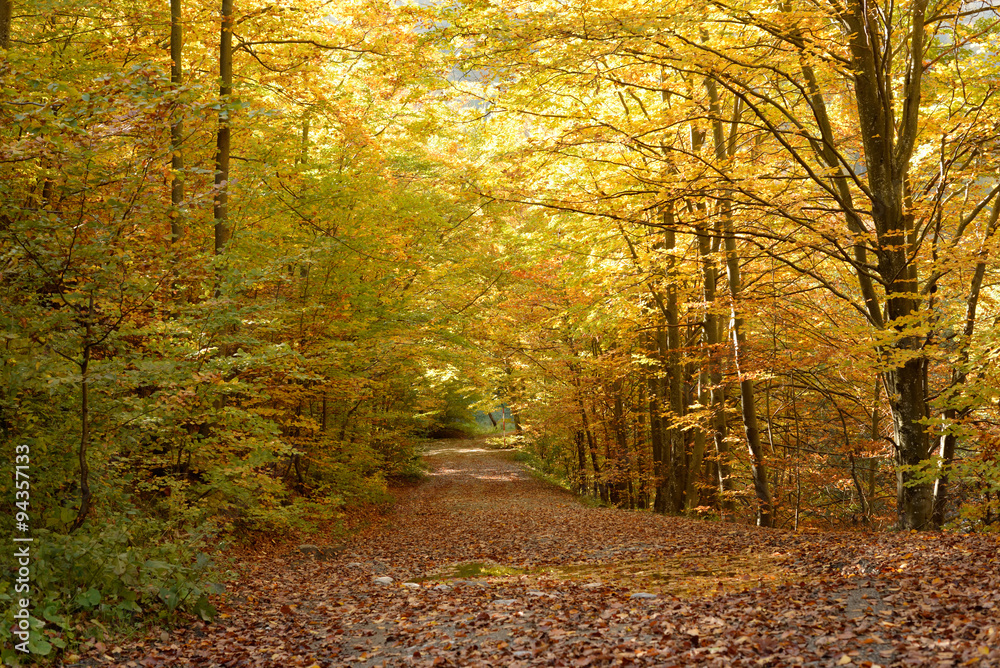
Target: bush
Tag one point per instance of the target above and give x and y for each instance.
(117, 572)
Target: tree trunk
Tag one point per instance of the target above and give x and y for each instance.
(708, 246)
(622, 469)
(6, 15)
(85, 493)
(600, 485)
(223, 230)
(758, 470)
(599, 489)
(674, 442)
(909, 408)
(657, 430)
(692, 495)
(177, 127)
(948, 440)
(888, 141)
(581, 457)
(304, 156)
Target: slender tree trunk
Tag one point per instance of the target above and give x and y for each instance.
(85, 493)
(304, 154)
(798, 461)
(665, 464)
(177, 127)
(948, 440)
(675, 370)
(858, 487)
(708, 246)
(6, 15)
(654, 385)
(658, 378)
(599, 489)
(748, 405)
(600, 485)
(581, 457)
(876, 431)
(692, 495)
(622, 468)
(325, 417)
(223, 231)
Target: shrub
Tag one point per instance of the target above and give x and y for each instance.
(118, 571)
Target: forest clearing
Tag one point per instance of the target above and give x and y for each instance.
(727, 273)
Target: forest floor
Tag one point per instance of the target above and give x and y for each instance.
(492, 567)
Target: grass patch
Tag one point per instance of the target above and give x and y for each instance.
(680, 576)
(683, 577)
(474, 569)
(512, 441)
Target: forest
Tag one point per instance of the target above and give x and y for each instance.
(733, 261)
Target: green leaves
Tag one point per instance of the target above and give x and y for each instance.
(204, 609)
(88, 599)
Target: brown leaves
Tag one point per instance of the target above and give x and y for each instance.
(557, 591)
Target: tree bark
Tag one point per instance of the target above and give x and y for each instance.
(6, 16)
(674, 441)
(304, 155)
(888, 143)
(709, 244)
(223, 231)
(177, 127)
(654, 387)
(712, 338)
(949, 440)
(85, 493)
(622, 469)
(758, 469)
(581, 457)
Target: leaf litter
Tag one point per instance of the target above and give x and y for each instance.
(491, 567)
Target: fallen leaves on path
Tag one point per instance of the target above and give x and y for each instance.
(483, 565)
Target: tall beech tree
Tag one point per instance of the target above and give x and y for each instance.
(853, 149)
(893, 241)
(6, 15)
(177, 126)
(223, 229)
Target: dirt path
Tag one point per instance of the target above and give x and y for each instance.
(491, 567)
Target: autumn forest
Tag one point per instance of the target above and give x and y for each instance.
(735, 261)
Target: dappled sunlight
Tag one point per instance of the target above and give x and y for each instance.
(465, 460)
(512, 475)
(441, 472)
(453, 451)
